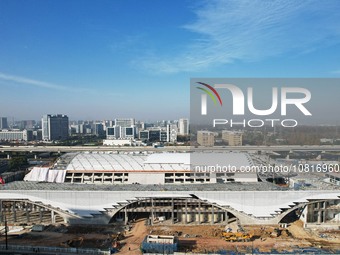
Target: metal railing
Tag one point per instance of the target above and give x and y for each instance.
(53, 249)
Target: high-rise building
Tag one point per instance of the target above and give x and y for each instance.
(98, 129)
(37, 135)
(127, 132)
(16, 135)
(234, 138)
(172, 131)
(154, 135)
(144, 135)
(183, 126)
(206, 138)
(55, 127)
(3, 123)
(125, 122)
(112, 133)
(26, 124)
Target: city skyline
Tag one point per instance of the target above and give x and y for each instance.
(135, 58)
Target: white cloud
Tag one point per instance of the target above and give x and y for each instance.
(4, 78)
(27, 81)
(249, 30)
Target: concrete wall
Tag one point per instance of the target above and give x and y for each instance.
(154, 178)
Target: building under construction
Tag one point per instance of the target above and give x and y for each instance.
(170, 206)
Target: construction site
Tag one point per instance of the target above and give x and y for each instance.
(127, 239)
(171, 214)
(119, 221)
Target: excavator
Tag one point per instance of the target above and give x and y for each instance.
(240, 236)
(236, 237)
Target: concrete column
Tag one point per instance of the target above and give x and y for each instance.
(226, 217)
(40, 214)
(152, 211)
(8, 156)
(199, 212)
(27, 212)
(186, 212)
(324, 216)
(212, 215)
(125, 215)
(14, 210)
(172, 211)
(52, 217)
(319, 216)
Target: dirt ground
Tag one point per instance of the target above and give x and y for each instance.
(201, 238)
(134, 238)
(208, 238)
(101, 237)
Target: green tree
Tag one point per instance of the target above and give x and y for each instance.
(16, 163)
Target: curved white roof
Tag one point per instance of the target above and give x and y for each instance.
(154, 162)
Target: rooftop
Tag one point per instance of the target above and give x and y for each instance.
(101, 161)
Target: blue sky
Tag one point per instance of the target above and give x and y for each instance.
(134, 58)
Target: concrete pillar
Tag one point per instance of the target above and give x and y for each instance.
(14, 210)
(125, 216)
(319, 216)
(186, 212)
(8, 156)
(35, 156)
(152, 212)
(324, 214)
(40, 214)
(212, 214)
(226, 217)
(172, 211)
(199, 212)
(27, 212)
(52, 217)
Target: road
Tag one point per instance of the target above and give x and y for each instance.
(169, 148)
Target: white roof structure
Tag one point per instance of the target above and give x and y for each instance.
(154, 162)
(44, 174)
(234, 159)
(100, 162)
(256, 203)
(129, 162)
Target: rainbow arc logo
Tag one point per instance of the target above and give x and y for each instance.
(210, 92)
